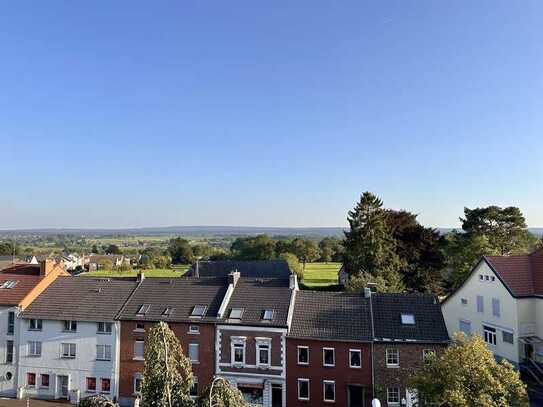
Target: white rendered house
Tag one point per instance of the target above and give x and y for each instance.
(502, 301)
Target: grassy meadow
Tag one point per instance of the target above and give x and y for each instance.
(177, 271)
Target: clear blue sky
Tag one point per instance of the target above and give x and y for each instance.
(276, 113)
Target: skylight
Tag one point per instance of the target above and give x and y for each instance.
(408, 319)
(236, 313)
(167, 311)
(198, 311)
(9, 284)
(144, 309)
(268, 315)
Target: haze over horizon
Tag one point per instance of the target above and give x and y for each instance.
(132, 114)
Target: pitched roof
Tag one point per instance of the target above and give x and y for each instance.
(181, 294)
(81, 299)
(523, 275)
(429, 325)
(250, 269)
(25, 284)
(254, 296)
(331, 315)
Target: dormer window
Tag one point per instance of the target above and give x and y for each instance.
(236, 313)
(167, 311)
(198, 311)
(9, 284)
(408, 319)
(268, 315)
(144, 309)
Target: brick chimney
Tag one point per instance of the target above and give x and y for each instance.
(233, 278)
(46, 266)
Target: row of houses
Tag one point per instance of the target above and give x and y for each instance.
(72, 261)
(247, 322)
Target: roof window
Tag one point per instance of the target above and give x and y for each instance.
(144, 309)
(9, 284)
(167, 311)
(198, 311)
(236, 313)
(408, 319)
(268, 315)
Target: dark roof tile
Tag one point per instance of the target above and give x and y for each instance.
(250, 269)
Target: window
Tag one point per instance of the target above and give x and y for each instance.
(481, 277)
(492, 278)
(34, 348)
(139, 347)
(106, 385)
(167, 311)
(194, 329)
(329, 390)
(496, 307)
(303, 355)
(393, 395)
(70, 326)
(507, 337)
(104, 327)
(303, 389)
(9, 351)
(68, 350)
(480, 304)
(193, 352)
(140, 327)
(35, 325)
(44, 381)
(465, 326)
(91, 384)
(137, 383)
(11, 323)
(144, 309)
(263, 351)
(31, 379)
(426, 353)
(194, 388)
(9, 284)
(268, 315)
(198, 311)
(489, 335)
(464, 301)
(328, 357)
(392, 357)
(239, 353)
(355, 358)
(487, 278)
(408, 319)
(103, 352)
(236, 313)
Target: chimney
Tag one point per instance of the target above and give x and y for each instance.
(367, 292)
(141, 277)
(46, 266)
(293, 282)
(233, 278)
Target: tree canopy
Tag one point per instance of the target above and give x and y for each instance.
(180, 251)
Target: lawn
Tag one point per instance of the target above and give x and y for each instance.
(318, 275)
(177, 271)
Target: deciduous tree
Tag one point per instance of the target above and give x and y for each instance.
(180, 250)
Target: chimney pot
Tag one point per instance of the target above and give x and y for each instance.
(367, 292)
(141, 276)
(233, 278)
(293, 282)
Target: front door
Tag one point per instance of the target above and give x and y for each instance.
(277, 395)
(355, 396)
(62, 386)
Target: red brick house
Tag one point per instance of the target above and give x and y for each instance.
(407, 327)
(190, 307)
(329, 350)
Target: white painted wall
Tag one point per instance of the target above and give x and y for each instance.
(510, 308)
(84, 365)
(8, 387)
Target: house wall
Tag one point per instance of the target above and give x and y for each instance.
(341, 373)
(78, 369)
(250, 375)
(454, 311)
(411, 360)
(129, 367)
(8, 371)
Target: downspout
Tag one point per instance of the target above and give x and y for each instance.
(371, 346)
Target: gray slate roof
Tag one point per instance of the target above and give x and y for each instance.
(180, 293)
(429, 323)
(250, 269)
(257, 295)
(331, 315)
(81, 299)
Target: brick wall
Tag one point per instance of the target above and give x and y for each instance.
(341, 373)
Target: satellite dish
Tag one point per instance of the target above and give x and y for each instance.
(375, 403)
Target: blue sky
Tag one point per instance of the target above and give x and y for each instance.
(138, 113)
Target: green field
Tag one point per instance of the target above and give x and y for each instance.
(319, 275)
(173, 272)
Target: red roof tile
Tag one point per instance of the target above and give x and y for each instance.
(25, 284)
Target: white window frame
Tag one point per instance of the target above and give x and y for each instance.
(298, 355)
(304, 380)
(194, 329)
(196, 346)
(69, 355)
(194, 388)
(138, 357)
(496, 306)
(12, 353)
(488, 335)
(48, 381)
(359, 351)
(38, 324)
(391, 351)
(137, 376)
(104, 355)
(394, 403)
(72, 325)
(237, 341)
(512, 337)
(324, 357)
(104, 330)
(34, 348)
(324, 383)
(95, 384)
(102, 387)
(263, 344)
